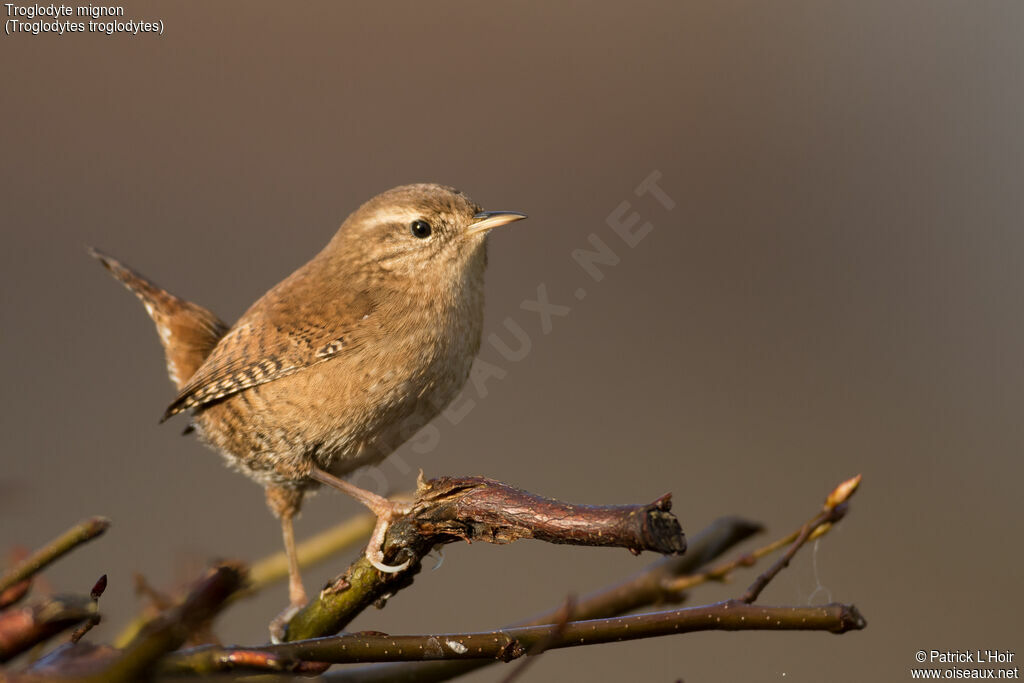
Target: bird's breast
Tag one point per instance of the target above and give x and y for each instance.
(418, 371)
(355, 408)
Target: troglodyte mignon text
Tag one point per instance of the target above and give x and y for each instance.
(342, 361)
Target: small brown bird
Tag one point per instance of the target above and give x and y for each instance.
(342, 361)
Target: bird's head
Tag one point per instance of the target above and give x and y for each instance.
(422, 233)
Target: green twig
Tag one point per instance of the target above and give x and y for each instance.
(63, 544)
(172, 628)
(273, 568)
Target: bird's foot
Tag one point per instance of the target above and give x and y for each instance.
(297, 600)
(280, 623)
(375, 547)
(386, 510)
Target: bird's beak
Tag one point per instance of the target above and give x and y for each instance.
(485, 220)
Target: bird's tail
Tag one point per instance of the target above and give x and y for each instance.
(187, 331)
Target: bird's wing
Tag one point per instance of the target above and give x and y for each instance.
(272, 341)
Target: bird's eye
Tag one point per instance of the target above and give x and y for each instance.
(421, 229)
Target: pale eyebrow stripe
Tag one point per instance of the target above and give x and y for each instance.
(391, 215)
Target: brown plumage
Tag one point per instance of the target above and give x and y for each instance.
(343, 360)
(188, 332)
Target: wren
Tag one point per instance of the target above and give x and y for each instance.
(343, 360)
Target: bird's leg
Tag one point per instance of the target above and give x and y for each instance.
(285, 502)
(386, 511)
(296, 591)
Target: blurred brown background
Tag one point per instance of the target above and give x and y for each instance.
(837, 290)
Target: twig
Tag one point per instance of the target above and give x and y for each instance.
(159, 637)
(473, 508)
(66, 542)
(722, 571)
(651, 585)
(557, 629)
(833, 510)
(25, 627)
(65, 662)
(160, 602)
(478, 509)
(274, 568)
(97, 591)
(513, 642)
(643, 588)
(664, 581)
(508, 644)
(15, 593)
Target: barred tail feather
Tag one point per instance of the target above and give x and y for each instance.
(187, 331)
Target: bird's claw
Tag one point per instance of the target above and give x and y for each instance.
(375, 547)
(386, 568)
(280, 623)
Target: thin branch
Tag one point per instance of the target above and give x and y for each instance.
(644, 588)
(15, 593)
(667, 580)
(274, 568)
(89, 663)
(63, 544)
(833, 510)
(722, 572)
(651, 585)
(557, 629)
(68, 661)
(446, 510)
(509, 644)
(473, 508)
(97, 591)
(512, 643)
(24, 627)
